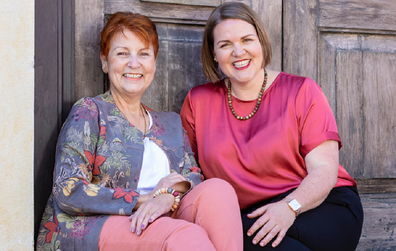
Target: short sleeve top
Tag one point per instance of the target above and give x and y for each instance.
(264, 156)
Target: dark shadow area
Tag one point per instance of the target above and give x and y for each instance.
(54, 90)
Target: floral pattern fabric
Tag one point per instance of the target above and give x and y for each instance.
(98, 161)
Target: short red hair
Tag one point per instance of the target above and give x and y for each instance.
(138, 24)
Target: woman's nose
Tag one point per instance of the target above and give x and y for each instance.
(238, 50)
(133, 62)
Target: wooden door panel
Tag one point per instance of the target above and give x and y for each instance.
(358, 14)
(349, 47)
(179, 66)
(356, 73)
(161, 12)
(188, 2)
(380, 102)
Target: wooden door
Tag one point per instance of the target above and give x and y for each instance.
(349, 48)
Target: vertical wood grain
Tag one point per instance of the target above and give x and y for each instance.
(185, 67)
(88, 71)
(270, 12)
(300, 38)
(350, 114)
(380, 117)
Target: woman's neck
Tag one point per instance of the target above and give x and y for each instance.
(132, 110)
(251, 90)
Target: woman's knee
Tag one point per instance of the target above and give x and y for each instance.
(189, 236)
(219, 187)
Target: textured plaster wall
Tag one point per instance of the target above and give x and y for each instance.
(16, 124)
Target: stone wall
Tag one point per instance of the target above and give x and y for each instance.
(17, 124)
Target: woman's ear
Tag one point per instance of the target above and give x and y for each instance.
(214, 56)
(104, 63)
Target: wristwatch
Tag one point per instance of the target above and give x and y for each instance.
(295, 206)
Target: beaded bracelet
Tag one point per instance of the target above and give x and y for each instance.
(169, 191)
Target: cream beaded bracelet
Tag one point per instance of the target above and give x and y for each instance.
(169, 191)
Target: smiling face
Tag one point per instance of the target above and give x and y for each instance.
(130, 64)
(238, 51)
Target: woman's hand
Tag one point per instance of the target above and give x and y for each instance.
(150, 211)
(168, 181)
(276, 218)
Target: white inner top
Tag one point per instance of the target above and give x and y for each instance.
(155, 164)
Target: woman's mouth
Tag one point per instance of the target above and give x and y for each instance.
(132, 75)
(241, 64)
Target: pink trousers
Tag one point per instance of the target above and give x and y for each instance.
(208, 218)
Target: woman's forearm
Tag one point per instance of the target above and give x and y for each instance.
(322, 166)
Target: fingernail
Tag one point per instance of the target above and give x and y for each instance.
(254, 242)
(132, 230)
(137, 232)
(262, 244)
(143, 226)
(249, 233)
(150, 220)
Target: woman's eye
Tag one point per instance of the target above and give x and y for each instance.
(144, 54)
(121, 53)
(246, 40)
(224, 45)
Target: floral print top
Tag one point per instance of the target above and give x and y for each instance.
(98, 161)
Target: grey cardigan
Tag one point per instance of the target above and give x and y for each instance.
(98, 161)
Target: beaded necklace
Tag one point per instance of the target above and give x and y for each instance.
(258, 100)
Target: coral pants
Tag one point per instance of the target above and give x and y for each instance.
(208, 218)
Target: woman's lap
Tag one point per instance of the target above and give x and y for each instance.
(163, 234)
(202, 222)
(334, 225)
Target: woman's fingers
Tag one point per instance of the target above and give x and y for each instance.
(257, 225)
(150, 211)
(170, 180)
(143, 221)
(133, 218)
(276, 219)
(269, 234)
(280, 237)
(257, 212)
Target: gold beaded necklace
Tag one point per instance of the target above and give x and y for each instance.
(258, 100)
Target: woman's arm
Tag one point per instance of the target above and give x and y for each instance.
(322, 165)
(79, 186)
(276, 218)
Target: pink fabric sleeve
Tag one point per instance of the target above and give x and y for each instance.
(188, 120)
(315, 118)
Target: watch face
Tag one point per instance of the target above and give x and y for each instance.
(295, 205)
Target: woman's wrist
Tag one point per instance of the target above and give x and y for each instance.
(171, 191)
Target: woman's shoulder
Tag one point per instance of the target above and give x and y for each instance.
(291, 78)
(91, 102)
(164, 115)
(294, 84)
(207, 91)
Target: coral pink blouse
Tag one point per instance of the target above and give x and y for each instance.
(264, 156)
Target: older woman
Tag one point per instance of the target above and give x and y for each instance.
(115, 157)
(273, 137)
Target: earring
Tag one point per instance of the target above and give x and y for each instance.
(215, 59)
